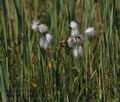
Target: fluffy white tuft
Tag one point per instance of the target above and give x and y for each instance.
(90, 31)
(78, 51)
(35, 24)
(73, 25)
(45, 40)
(71, 42)
(43, 28)
(49, 37)
(75, 32)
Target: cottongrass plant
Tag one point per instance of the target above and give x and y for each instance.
(76, 40)
(46, 37)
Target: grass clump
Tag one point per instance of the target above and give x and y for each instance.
(30, 73)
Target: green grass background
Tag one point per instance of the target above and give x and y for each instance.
(31, 74)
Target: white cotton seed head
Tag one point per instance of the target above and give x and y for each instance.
(90, 31)
(71, 42)
(75, 32)
(75, 41)
(78, 51)
(73, 25)
(43, 28)
(45, 40)
(79, 40)
(34, 27)
(35, 24)
(48, 37)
